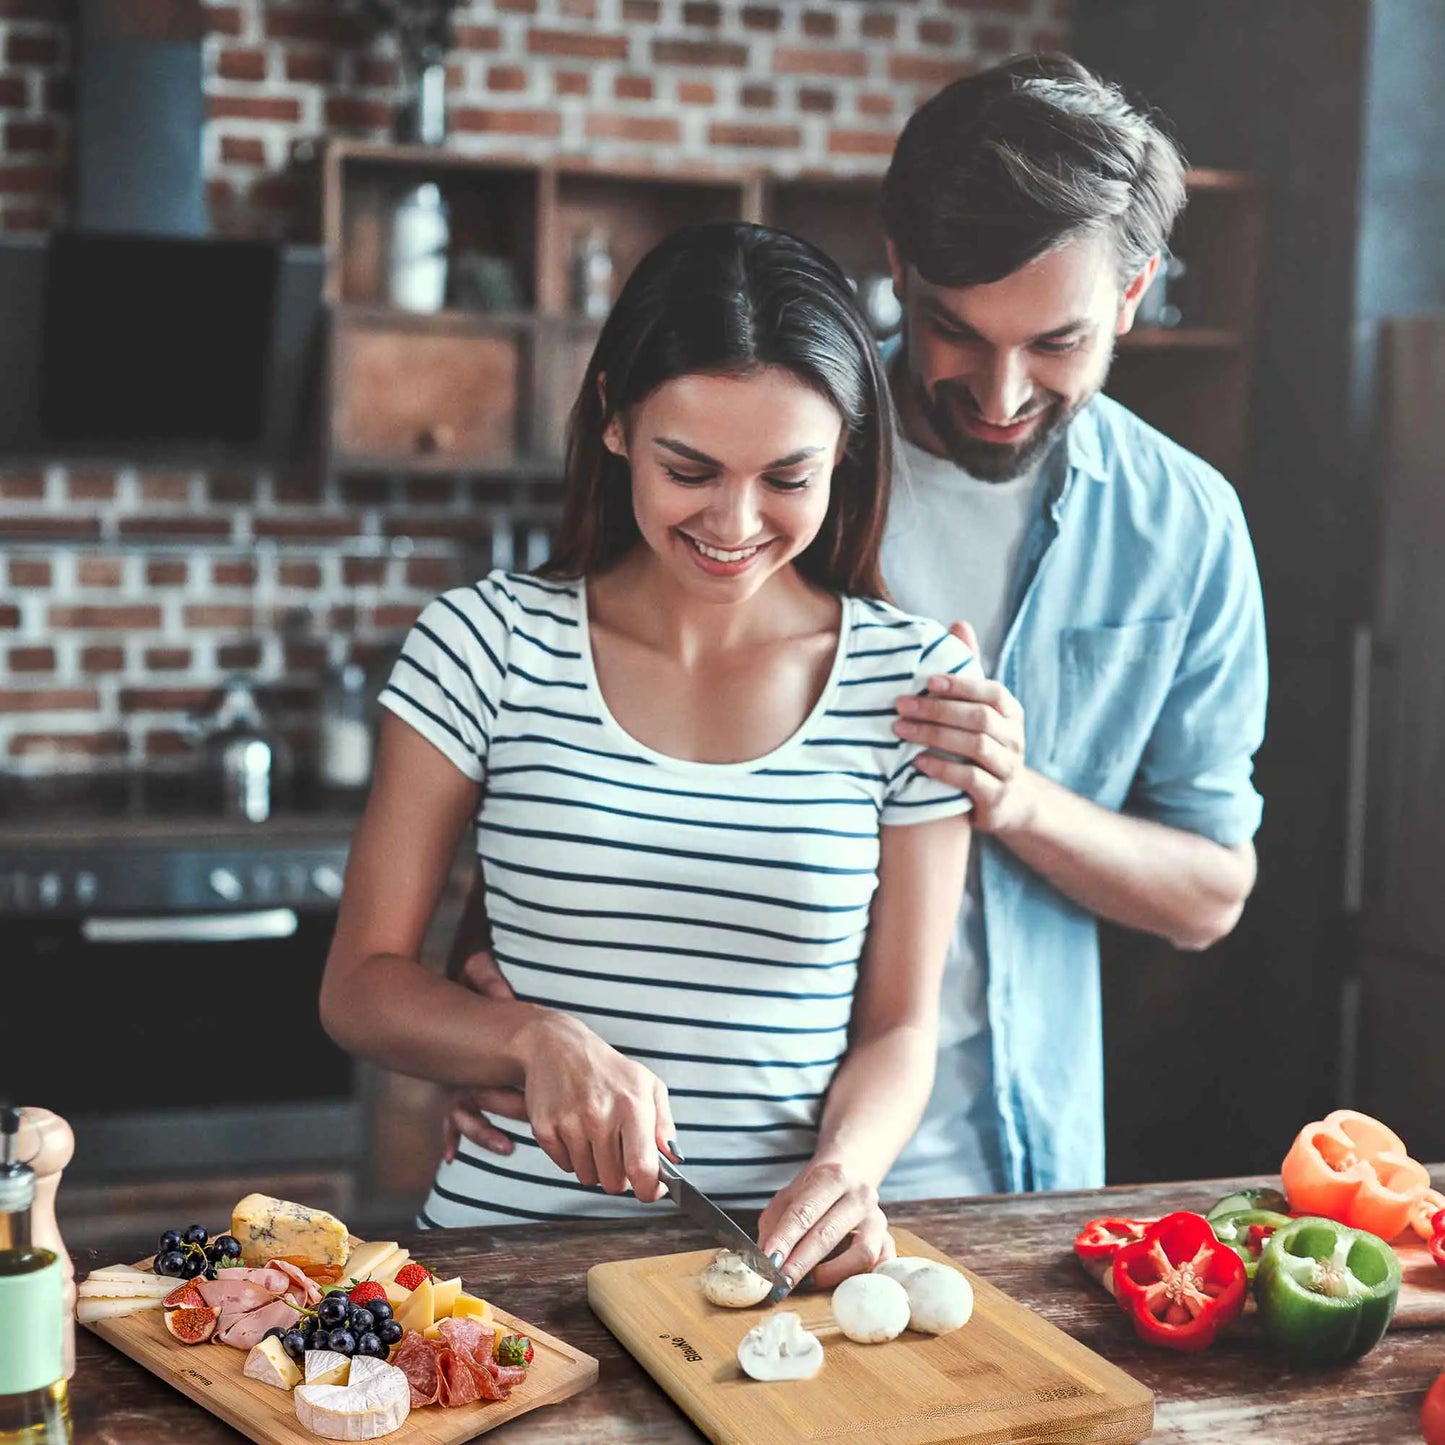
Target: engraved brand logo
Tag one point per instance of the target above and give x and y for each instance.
(197, 1375)
(688, 1353)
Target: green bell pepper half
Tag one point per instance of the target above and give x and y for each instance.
(1238, 1231)
(1326, 1293)
(1259, 1198)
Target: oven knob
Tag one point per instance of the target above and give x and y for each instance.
(263, 880)
(86, 887)
(327, 881)
(226, 884)
(49, 889)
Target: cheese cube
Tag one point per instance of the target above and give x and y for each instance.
(272, 1228)
(270, 1364)
(469, 1307)
(326, 1367)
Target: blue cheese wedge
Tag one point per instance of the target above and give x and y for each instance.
(270, 1228)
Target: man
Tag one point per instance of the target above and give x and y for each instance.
(1112, 593)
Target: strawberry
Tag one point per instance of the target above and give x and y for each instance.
(513, 1350)
(410, 1275)
(366, 1291)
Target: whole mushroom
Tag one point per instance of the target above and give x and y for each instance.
(940, 1299)
(901, 1267)
(728, 1281)
(780, 1349)
(871, 1308)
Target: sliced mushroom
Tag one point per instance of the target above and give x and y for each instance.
(729, 1282)
(940, 1299)
(871, 1308)
(901, 1267)
(780, 1349)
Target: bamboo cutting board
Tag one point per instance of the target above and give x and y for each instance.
(1007, 1375)
(210, 1374)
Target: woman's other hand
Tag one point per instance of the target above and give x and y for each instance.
(809, 1218)
(593, 1111)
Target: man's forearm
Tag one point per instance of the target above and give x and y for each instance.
(1129, 870)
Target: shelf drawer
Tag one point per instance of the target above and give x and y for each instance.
(413, 395)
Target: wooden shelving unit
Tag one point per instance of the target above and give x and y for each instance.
(473, 390)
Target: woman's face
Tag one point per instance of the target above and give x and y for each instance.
(731, 476)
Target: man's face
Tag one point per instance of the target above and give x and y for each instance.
(995, 372)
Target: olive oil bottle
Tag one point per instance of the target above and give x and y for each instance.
(34, 1402)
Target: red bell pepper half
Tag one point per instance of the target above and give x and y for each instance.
(1100, 1238)
(1180, 1285)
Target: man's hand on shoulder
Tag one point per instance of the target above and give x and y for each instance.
(466, 1109)
(974, 730)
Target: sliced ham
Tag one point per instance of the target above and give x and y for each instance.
(300, 1288)
(245, 1330)
(236, 1296)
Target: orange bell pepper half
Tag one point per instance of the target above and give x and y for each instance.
(1350, 1167)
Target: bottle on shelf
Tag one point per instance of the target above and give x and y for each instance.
(344, 737)
(34, 1399)
(420, 235)
(592, 273)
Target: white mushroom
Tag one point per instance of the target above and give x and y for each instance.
(901, 1267)
(728, 1281)
(940, 1299)
(780, 1349)
(871, 1308)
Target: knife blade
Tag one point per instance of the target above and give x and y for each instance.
(696, 1206)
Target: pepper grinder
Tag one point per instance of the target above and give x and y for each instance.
(47, 1144)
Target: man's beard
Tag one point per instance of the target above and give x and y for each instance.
(995, 461)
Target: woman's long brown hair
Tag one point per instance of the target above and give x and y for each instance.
(728, 298)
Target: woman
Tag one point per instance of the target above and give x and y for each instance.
(720, 891)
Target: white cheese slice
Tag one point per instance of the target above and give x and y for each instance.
(117, 1271)
(91, 1308)
(392, 1267)
(138, 1286)
(326, 1367)
(375, 1401)
(270, 1364)
(367, 1261)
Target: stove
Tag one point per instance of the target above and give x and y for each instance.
(157, 936)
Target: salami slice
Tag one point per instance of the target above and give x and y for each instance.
(509, 1376)
(417, 1360)
(459, 1384)
(470, 1337)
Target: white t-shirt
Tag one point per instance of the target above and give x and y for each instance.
(706, 919)
(950, 553)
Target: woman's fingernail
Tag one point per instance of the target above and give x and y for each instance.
(776, 1259)
(676, 1152)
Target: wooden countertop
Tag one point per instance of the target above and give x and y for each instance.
(1236, 1393)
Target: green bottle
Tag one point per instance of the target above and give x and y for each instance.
(34, 1402)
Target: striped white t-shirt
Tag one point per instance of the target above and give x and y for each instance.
(706, 919)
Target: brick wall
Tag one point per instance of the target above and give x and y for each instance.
(127, 594)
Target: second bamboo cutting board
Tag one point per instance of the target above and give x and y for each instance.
(1008, 1375)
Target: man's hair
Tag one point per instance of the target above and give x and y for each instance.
(1001, 167)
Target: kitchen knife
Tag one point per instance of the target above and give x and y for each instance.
(697, 1207)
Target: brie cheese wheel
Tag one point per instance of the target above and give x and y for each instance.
(325, 1367)
(375, 1401)
(270, 1364)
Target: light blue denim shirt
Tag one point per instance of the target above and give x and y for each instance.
(1137, 648)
